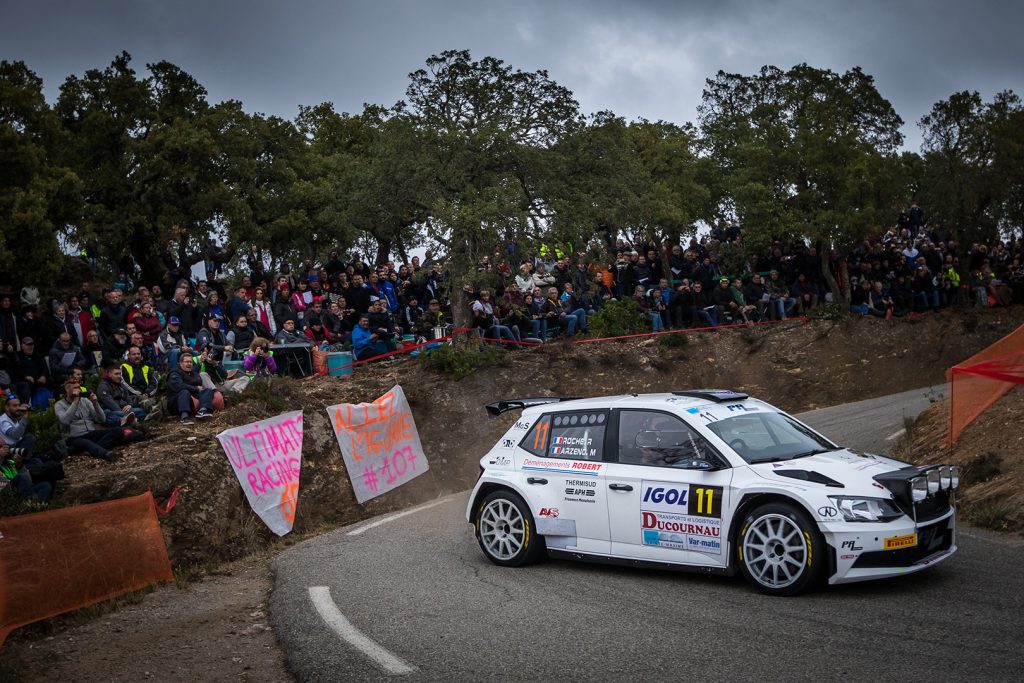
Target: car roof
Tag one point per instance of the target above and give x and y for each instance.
(661, 401)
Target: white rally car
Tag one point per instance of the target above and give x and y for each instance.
(706, 480)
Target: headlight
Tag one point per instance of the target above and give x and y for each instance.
(933, 481)
(954, 476)
(866, 509)
(918, 489)
(944, 477)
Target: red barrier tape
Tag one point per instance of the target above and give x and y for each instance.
(692, 329)
(168, 506)
(409, 349)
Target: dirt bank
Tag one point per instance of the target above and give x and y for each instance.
(990, 453)
(798, 367)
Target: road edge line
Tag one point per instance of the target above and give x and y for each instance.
(391, 518)
(394, 665)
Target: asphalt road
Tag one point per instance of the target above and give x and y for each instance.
(428, 606)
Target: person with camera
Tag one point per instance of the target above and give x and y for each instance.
(14, 426)
(184, 384)
(82, 418)
(259, 362)
(16, 476)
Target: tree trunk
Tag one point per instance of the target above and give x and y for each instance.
(383, 251)
(840, 289)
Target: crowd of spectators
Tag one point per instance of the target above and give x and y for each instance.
(176, 347)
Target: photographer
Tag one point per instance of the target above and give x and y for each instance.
(259, 362)
(14, 426)
(82, 420)
(16, 476)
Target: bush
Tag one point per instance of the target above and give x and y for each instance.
(456, 362)
(981, 468)
(618, 318)
(263, 391)
(673, 341)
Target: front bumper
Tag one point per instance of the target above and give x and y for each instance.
(875, 551)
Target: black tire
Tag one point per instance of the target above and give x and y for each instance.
(780, 550)
(505, 530)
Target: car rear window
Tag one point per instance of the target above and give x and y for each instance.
(572, 436)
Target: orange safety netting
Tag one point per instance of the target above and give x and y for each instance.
(979, 381)
(60, 560)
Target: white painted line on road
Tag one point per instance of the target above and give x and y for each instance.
(896, 435)
(385, 520)
(329, 612)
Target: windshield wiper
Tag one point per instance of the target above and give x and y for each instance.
(758, 461)
(816, 451)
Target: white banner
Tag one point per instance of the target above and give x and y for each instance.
(379, 443)
(267, 458)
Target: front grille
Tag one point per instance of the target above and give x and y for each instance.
(926, 510)
(930, 540)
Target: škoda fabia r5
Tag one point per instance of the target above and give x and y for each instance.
(707, 480)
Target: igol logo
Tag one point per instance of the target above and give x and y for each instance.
(660, 494)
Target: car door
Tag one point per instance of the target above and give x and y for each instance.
(563, 475)
(661, 506)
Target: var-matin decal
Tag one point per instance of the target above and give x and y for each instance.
(681, 516)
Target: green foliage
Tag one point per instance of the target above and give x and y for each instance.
(456, 362)
(826, 311)
(972, 177)
(618, 318)
(46, 427)
(38, 195)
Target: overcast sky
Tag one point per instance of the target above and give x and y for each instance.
(639, 59)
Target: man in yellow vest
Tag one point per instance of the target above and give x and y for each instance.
(140, 379)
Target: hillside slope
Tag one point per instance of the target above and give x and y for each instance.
(797, 367)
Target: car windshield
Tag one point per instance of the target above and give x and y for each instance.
(769, 437)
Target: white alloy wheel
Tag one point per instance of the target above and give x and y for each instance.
(502, 529)
(775, 551)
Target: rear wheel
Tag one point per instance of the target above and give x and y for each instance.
(505, 530)
(781, 552)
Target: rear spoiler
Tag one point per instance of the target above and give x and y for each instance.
(499, 407)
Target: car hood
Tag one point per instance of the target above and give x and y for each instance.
(853, 469)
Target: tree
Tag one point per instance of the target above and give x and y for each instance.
(488, 131)
(806, 154)
(39, 198)
(974, 164)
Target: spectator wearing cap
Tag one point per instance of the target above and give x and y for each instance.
(116, 346)
(64, 356)
(213, 346)
(29, 371)
(721, 296)
(366, 343)
(433, 319)
(172, 342)
(288, 334)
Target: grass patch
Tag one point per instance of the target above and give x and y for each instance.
(994, 515)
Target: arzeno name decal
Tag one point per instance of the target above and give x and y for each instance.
(572, 446)
(572, 467)
(691, 499)
(682, 532)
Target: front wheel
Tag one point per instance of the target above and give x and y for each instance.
(505, 530)
(780, 549)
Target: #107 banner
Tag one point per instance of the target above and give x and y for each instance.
(379, 443)
(267, 458)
